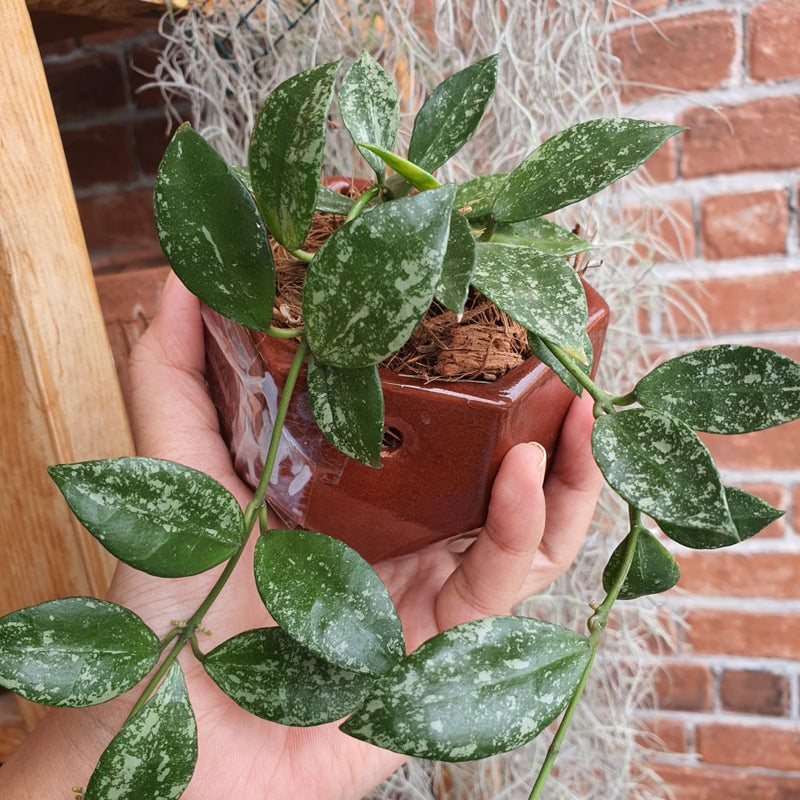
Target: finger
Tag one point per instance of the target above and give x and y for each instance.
(492, 572)
(172, 415)
(571, 492)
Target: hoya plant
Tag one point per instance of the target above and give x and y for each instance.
(338, 649)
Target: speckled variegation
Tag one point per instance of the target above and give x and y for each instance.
(653, 569)
(158, 516)
(373, 279)
(76, 651)
(154, 754)
(475, 690)
(725, 389)
(659, 465)
(270, 675)
(541, 292)
(329, 599)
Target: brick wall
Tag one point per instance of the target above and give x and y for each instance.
(729, 711)
(728, 720)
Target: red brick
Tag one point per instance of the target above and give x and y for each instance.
(151, 137)
(769, 747)
(742, 304)
(737, 633)
(635, 7)
(662, 166)
(684, 687)
(731, 574)
(772, 40)
(142, 61)
(663, 735)
(775, 448)
(750, 691)
(759, 135)
(121, 220)
(671, 225)
(687, 53)
(796, 509)
(709, 783)
(101, 154)
(739, 225)
(86, 86)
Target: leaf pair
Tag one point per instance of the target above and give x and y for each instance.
(339, 650)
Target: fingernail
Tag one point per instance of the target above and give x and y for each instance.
(542, 453)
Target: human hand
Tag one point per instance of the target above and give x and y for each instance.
(531, 535)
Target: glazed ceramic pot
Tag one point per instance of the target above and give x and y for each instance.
(443, 445)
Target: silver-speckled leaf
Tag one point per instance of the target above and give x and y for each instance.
(211, 231)
(74, 652)
(458, 266)
(540, 349)
(541, 235)
(373, 279)
(451, 114)
(473, 691)
(750, 515)
(659, 465)
(160, 517)
(725, 389)
(348, 407)
(419, 178)
(653, 569)
(475, 197)
(286, 152)
(329, 599)
(539, 291)
(577, 163)
(270, 675)
(154, 754)
(370, 107)
(331, 202)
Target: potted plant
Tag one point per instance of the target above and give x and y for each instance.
(485, 686)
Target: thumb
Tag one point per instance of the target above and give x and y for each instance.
(492, 572)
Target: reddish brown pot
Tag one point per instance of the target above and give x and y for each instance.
(434, 484)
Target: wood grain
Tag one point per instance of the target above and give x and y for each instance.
(59, 396)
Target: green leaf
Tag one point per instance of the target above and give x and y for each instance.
(160, 517)
(370, 108)
(154, 753)
(372, 281)
(286, 152)
(211, 231)
(475, 197)
(577, 163)
(348, 407)
(270, 675)
(658, 465)
(331, 202)
(458, 266)
(328, 599)
(74, 652)
(541, 235)
(653, 569)
(451, 114)
(473, 691)
(416, 176)
(725, 389)
(540, 292)
(750, 516)
(545, 355)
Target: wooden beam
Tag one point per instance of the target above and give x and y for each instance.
(59, 396)
(114, 10)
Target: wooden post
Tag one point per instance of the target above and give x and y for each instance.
(59, 396)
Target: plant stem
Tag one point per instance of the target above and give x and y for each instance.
(285, 333)
(361, 203)
(491, 224)
(624, 399)
(251, 514)
(302, 255)
(601, 397)
(596, 624)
